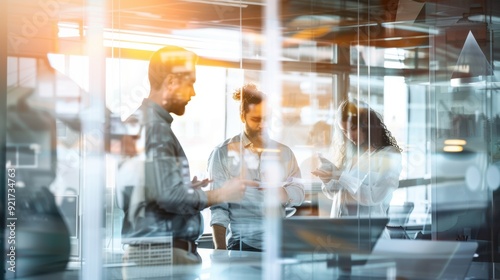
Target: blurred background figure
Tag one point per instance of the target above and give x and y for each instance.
(125, 139)
(319, 141)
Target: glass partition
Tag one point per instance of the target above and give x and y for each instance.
(101, 159)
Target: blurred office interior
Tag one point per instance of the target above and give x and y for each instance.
(73, 71)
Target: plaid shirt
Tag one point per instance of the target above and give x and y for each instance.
(168, 205)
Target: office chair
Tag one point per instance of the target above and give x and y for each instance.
(42, 236)
(400, 214)
(398, 217)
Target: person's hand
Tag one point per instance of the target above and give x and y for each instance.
(283, 195)
(326, 165)
(324, 175)
(326, 171)
(234, 189)
(266, 186)
(195, 184)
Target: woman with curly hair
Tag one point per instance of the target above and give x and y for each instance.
(366, 164)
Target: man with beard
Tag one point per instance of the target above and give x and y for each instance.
(164, 212)
(248, 155)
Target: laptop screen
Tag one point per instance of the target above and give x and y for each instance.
(422, 259)
(330, 235)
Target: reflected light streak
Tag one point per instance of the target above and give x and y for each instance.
(411, 27)
(455, 142)
(260, 150)
(223, 46)
(453, 149)
(131, 45)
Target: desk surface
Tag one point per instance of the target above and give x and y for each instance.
(242, 265)
(407, 259)
(220, 264)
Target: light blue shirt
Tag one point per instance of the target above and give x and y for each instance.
(244, 220)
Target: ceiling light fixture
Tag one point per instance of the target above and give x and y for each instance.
(453, 149)
(455, 142)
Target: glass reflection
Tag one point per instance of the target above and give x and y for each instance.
(162, 218)
(400, 57)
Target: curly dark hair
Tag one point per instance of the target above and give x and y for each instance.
(248, 94)
(368, 121)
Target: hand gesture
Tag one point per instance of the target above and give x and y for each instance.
(195, 184)
(326, 171)
(324, 175)
(234, 189)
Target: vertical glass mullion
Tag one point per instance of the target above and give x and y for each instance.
(93, 146)
(272, 73)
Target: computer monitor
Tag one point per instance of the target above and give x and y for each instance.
(421, 259)
(31, 146)
(349, 235)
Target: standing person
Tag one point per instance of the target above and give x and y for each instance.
(164, 213)
(320, 139)
(245, 155)
(366, 166)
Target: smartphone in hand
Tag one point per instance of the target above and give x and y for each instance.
(326, 165)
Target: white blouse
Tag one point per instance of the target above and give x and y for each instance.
(365, 189)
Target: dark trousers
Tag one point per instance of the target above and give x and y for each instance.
(237, 246)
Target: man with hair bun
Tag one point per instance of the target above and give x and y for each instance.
(244, 155)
